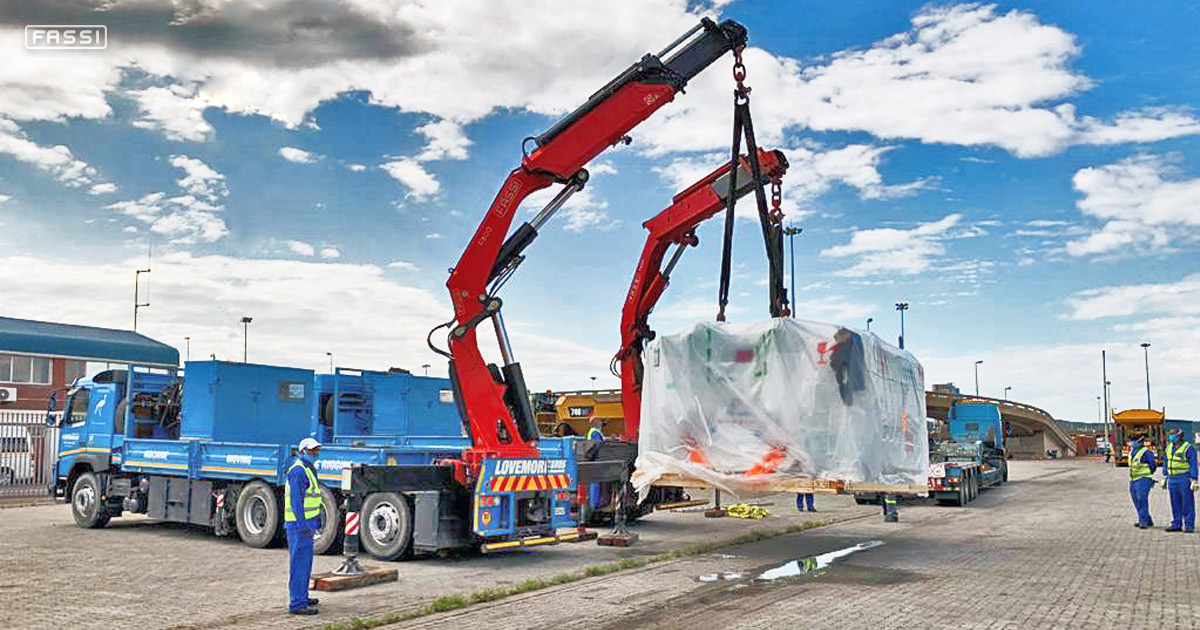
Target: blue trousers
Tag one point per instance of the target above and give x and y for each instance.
(1140, 491)
(802, 498)
(1183, 503)
(300, 558)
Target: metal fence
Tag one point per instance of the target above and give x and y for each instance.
(28, 449)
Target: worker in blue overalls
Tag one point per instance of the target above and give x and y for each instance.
(594, 434)
(1141, 467)
(802, 498)
(301, 519)
(1181, 481)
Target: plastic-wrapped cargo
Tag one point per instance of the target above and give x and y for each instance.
(744, 405)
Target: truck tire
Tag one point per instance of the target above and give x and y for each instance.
(1003, 471)
(328, 539)
(961, 499)
(386, 526)
(86, 507)
(258, 516)
(972, 486)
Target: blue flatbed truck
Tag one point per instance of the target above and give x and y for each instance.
(212, 449)
(973, 458)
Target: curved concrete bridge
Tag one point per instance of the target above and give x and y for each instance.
(1032, 431)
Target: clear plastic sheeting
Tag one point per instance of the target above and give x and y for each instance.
(741, 406)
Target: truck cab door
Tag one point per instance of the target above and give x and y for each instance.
(73, 428)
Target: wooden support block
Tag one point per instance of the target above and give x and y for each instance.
(371, 575)
(717, 512)
(586, 534)
(681, 504)
(617, 540)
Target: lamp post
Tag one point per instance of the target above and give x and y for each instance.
(869, 320)
(330, 355)
(593, 382)
(246, 338)
(425, 366)
(792, 231)
(137, 304)
(902, 306)
(1006, 389)
(1146, 350)
(187, 356)
(977, 364)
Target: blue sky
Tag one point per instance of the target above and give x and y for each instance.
(1023, 175)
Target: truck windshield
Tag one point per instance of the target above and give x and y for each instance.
(77, 407)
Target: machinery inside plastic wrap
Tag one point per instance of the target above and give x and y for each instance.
(742, 406)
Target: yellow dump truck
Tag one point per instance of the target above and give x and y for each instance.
(573, 413)
(1137, 422)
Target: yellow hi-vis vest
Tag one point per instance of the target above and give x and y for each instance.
(312, 496)
(1138, 468)
(1177, 461)
(595, 435)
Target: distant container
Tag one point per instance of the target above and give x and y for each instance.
(242, 402)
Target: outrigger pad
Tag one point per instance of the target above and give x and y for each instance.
(371, 575)
(615, 539)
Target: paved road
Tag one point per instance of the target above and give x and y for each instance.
(141, 574)
(1053, 549)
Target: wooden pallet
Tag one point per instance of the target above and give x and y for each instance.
(371, 575)
(798, 484)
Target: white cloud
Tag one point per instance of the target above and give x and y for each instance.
(583, 211)
(101, 189)
(420, 183)
(330, 253)
(891, 250)
(4, 197)
(1171, 298)
(356, 168)
(300, 156)
(293, 302)
(302, 248)
(1143, 201)
(57, 160)
(199, 178)
(175, 111)
(433, 235)
(446, 141)
(403, 265)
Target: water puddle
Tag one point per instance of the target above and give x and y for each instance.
(812, 564)
(728, 576)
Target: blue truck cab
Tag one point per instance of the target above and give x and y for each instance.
(973, 458)
(213, 449)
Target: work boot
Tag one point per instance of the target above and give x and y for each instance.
(1173, 529)
(891, 518)
(309, 610)
(313, 601)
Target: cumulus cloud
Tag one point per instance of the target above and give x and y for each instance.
(403, 265)
(185, 219)
(302, 248)
(300, 156)
(199, 178)
(356, 168)
(446, 141)
(897, 251)
(1145, 204)
(102, 189)
(57, 160)
(1168, 298)
(330, 253)
(420, 183)
(176, 111)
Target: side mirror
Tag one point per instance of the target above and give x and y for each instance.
(51, 407)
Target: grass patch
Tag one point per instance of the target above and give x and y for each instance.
(447, 603)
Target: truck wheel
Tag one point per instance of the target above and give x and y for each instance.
(961, 499)
(86, 507)
(328, 539)
(1003, 471)
(971, 486)
(257, 514)
(386, 528)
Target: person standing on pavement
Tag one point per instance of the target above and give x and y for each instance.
(802, 498)
(1141, 468)
(1180, 473)
(301, 519)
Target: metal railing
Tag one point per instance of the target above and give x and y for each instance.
(28, 450)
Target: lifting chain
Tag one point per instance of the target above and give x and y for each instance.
(741, 92)
(776, 213)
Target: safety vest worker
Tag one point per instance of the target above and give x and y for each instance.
(1181, 482)
(1141, 467)
(301, 518)
(595, 434)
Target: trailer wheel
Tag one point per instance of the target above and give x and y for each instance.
(1003, 471)
(86, 507)
(328, 539)
(257, 514)
(961, 499)
(970, 480)
(386, 528)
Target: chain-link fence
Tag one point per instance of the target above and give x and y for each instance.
(28, 449)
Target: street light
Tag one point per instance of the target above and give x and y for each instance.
(977, 363)
(593, 382)
(246, 338)
(188, 354)
(869, 320)
(426, 367)
(330, 355)
(792, 231)
(1006, 392)
(1146, 350)
(902, 306)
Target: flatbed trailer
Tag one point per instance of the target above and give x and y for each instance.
(959, 482)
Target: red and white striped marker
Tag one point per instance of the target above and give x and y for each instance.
(351, 523)
(220, 500)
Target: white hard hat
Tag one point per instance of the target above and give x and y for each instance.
(308, 444)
